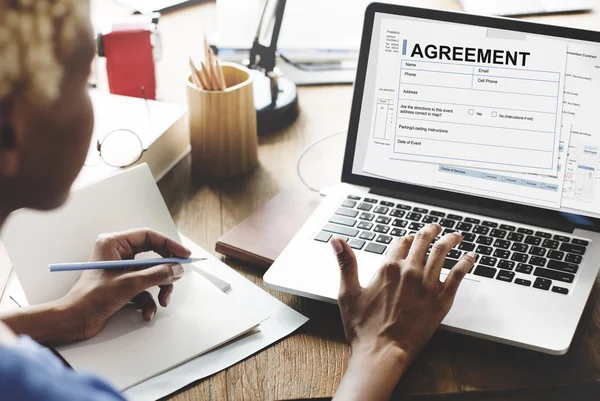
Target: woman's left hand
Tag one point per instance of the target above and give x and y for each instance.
(99, 294)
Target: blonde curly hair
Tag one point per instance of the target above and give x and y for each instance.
(36, 38)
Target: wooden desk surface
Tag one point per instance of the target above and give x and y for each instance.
(310, 363)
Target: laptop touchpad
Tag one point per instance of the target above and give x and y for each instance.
(462, 309)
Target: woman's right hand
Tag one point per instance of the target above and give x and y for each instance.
(388, 322)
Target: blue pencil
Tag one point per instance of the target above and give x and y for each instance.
(120, 264)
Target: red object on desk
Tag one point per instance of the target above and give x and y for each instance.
(130, 62)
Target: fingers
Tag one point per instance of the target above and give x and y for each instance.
(457, 273)
(147, 304)
(399, 248)
(164, 296)
(161, 275)
(349, 283)
(144, 240)
(438, 254)
(422, 241)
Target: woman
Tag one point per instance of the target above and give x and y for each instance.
(46, 122)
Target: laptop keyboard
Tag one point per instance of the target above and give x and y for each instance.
(509, 253)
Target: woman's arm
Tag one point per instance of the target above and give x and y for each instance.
(388, 322)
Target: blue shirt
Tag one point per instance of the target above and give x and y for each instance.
(29, 372)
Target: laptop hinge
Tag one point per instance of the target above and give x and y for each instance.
(550, 224)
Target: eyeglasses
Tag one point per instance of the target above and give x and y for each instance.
(120, 148)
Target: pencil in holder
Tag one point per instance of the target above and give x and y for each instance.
(223, 129)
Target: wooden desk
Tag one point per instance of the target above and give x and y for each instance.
(310, 363)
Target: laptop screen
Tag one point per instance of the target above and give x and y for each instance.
(492, 113)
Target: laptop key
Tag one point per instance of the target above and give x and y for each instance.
(560, 290)
(380, 228)
(420, 210)
(468, 237)
(466, 246)
(364, 225)
(397, 213)
(483, 250)
(484, 240)
(580, 242)
(349, 203)
(515, 237)
(554, 275)
(371, 200)
(543, 234)
(416, 226)
(375, 248)
(367, 216)
(381, 210)
(454, 254)
(507, 227)
(502, 244)
(400, 223)
(385, 203)
(519, 257)
(414, 216)
(368, 235)
(525, 231)
(576, 249)
(481, 230)
(342, 237)
(354, 197)
(455, 217)
(323, 237)
(336, 229)
(384, 239)
(524, 268)
(557, 255)
(447, 223)
(542, 283)
(563, 266)
(505, 275)
(521, 281)
(506, 264)
(573, 258)
(472, 220)
(342, 211)
(464, 226)
(485, 271)
(519, 248)
(537, 251)
(398, 232)
(551, 244)
(365, 206)
(403, 207)
(531, 240)
(437, 214)
(356, 243)
(345, 221)
(501, 253)
(562, 238)
(383, 220)
(489, 224)
(496, 233)
(430, 219)
(537, 261)
(488, 261)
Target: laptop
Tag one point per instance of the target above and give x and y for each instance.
(525, 7)
(489, 127)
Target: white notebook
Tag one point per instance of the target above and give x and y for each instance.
(129, 350)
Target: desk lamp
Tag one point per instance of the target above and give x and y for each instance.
(275, 97)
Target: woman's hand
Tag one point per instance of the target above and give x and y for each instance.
(98, 294)
(388, 322)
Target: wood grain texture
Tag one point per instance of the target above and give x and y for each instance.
(310, 363)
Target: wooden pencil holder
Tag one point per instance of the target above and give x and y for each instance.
(223, 129)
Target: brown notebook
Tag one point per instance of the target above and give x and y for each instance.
(260, 238)
(451, 365)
